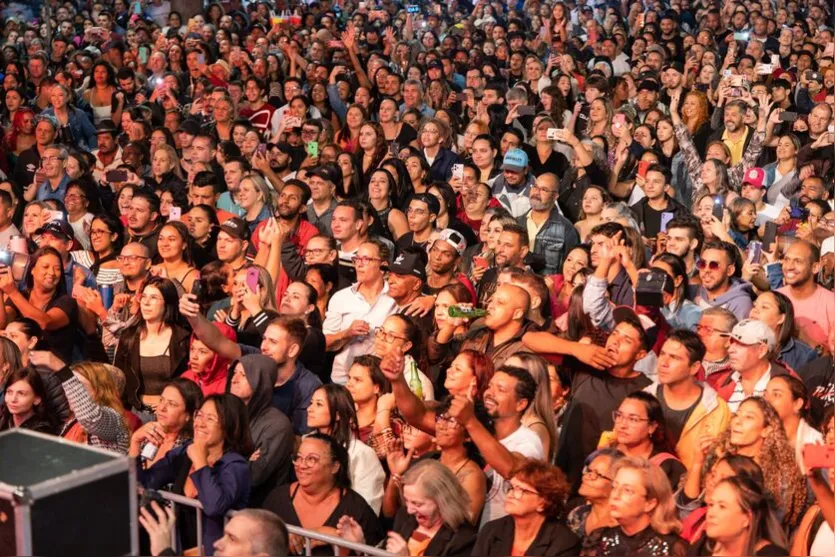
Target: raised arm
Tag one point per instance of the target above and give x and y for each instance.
(205, 331)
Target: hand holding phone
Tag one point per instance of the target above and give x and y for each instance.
(643, 166)
(252, 276)
(818, 456)
(458, 171)
(174, 213)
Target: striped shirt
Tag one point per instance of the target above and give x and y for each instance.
(739, 396)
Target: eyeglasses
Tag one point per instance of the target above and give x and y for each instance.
(313, 131)
(517, 491)
(130, 258)
(309, 461)
(594, 475)
(199, 415)
(50, 159)
(447, 421)
(631, 419)
(316, 251)
(543, 190)
(365, 260)
(709, 330)
(99, 232)
(387, 336)
(703, 264)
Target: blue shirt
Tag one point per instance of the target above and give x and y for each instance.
(425, 109)
(69, 274)
(45, 190)
(225, 203)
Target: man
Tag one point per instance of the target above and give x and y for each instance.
(323, 181)
(143, 218)
(512, 189)
(413, 98)
(350, 232)
(204, 149)
(251, 379)
(720, 287)
(59, 234)
(595, 396)
(29, 160)
(734, 134)
(257, 110)
(233, 172)
(444, 256)
(647, 98)
(684, 238)
(421, 215)
(752, 342)
(54, 186)
(7, 228)
(691, 408)
(814, 305)
(657, 205)
(405, 280)
(109, 154)
(511, 250)
(813, 188)
(753, 189)
(536, 288)
(186, 133)
(353, 312)
(205, 190)
(608, 247)
(551, 235)
(233, 242)
(290, 206)
(713, 325)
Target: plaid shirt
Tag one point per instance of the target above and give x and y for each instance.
(105, 428)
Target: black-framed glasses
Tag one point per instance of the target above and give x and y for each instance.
(594, 475)
(387, 336)
(518, 491)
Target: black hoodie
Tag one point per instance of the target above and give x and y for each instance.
(272, 433)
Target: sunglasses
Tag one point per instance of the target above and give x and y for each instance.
(712, 265)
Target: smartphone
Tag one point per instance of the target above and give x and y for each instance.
(55, 215)
(666, 217)
(252, 276)
(312, 149)
(175, 213)
(718, 207)
(755, 251)
(618, 121)
(410, 8)
(525, 110)
(765, 69)
(458, 171)
(742, 36)
(201, 58)
(736, 81)
(480, 262)
(727, 73)
(262, 148)
(775, 60)
(787, 116)
(818, 456)
(40, 177)
(643, 166)
(394, 149)
(149, 496)
(736, 92)
(552, 134)
(799, 213)
(197, 289)
(144, 53)
(769, 236)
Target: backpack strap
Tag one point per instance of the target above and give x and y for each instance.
(661, 458)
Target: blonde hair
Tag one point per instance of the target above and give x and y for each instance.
(439, 484)
(664, 519)
(172, 158)
(261, 186)
(102, 379)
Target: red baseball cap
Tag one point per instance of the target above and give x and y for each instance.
(754, 177)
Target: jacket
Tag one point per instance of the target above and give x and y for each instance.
(213, 380)
(57, 406)
(796, 353)
(553, 539)
(83, 132)
(272, 433)
(220, 488)
(128, 361)
(639, 209)
(481, 340)
(446, 541)
(553, 241)
(711, 416)
(441, 168)
(738, 299)
(724, 384)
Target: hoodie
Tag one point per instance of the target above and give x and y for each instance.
(272, 433)
(738, 299)
(213, 380)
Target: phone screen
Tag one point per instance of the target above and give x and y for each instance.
(252, 277)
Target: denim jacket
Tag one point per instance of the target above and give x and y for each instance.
(82, 130)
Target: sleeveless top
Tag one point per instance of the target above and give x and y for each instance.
(156, 372)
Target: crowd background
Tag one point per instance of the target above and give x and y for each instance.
(539, 278)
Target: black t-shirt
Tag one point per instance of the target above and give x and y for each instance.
(819, 377)
(407, 240)
(59, 341)
(675, 420)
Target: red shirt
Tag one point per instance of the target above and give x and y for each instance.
(304, 232)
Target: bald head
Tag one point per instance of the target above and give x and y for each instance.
(508, 308)
(545, 192)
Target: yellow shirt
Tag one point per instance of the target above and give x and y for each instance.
(737, 148)
(533, 229)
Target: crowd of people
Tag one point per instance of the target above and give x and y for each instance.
(551, 277)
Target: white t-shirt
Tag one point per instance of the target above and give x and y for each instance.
(523, 441)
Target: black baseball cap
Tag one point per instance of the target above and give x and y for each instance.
(329, 172)
(409, 263)
(237, 228)
(57, 228)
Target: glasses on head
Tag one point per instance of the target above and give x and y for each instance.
(130, 258)
(703, 264)
(365, 260)
(631, 419)
(517, 491)
(387, 336)
(203, 417)
(308, 461)
(447, 421)
(594, 475)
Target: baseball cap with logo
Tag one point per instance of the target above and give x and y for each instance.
(453, 238)
(409, 263)
(59, 227)
(515, 160)
(237, 228)
(751, 332)
(754, 177)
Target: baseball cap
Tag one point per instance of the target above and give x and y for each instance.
(657, 48)
(189, 126)
(57, 228)
(435, 64)
(515, 160)
(237, 228)
(642, 323)
(677, 66)
(431, 202)
(329, 172)
(751, 332)
(648, 85)
(409, 264)
(453, 238)
(754, 177)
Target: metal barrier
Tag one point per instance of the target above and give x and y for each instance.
(308, 535)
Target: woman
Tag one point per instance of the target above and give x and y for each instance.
(323, 278)
(331, 412)
(247, 304)
(543, 157)
(106, 237)
(641, 502)
(756, 431)
(348, 136)
(477, 259)
(640, 433)
(256, 200)
(562, 285)
(351, 184)
(780, 172)
(535, 504)
(224, 114)
(123, 202)
(600, 120)
(174, 424)
(74, 125)
(371, 149)
(206, 368)
(740, 521)
(203, 227)
(790, 399)
(594, 199)
(366, 383)
(381, 186)
(448, 296)
(104, 97)
(776, 310)
(539, 416)
(418, 172)
(176, 262)
(695, 115)
(395, 132)
(155, 348)
(25, 403)
(400, 333)
(35, 215)
(679, 312)
(22, 135)
(165, 169)
(77, 202)
(213, 468)
(44, 300)
(595, 490)
(434, 520)
(743, 227)
(322, 495)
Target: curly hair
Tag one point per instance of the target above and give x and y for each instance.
(776, 458)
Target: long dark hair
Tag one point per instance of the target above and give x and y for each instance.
(788, 329)
(192, 397)
(655, 413)
(116, 227)
(355, 187)
(339, 454)
(579, 322)
(679, 269)
(403, 184)
(33, 378)
(61, 289)
(343, 415)
(415, 336)
(234, 423)
(182, 231)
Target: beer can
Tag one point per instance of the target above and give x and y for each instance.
(106, 291)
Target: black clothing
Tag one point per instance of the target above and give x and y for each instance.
(444, 542)
(649, 219)
(573, 187)
(613, 541)
(60, 341)
(556, 163)
(553, 538)
(819, 377)
(674, 420)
